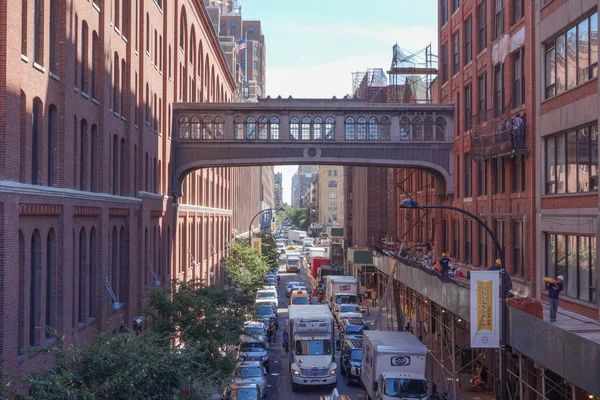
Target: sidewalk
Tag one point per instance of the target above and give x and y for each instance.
(577, 324)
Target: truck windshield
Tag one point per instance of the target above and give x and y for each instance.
(345, 299)
(349, 308)
(300, 300)
(252, 347)
(354, 329)
(251, 372)
(396, 387)
(264, 310)
(293, 261)
(313, 347)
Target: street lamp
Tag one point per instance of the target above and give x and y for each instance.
(253, 218)
(408, 203)
(334, 222)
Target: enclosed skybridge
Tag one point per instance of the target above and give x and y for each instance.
(316, 132)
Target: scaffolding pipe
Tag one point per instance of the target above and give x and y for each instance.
(453, 360)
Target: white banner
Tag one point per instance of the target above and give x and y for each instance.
(485, 309)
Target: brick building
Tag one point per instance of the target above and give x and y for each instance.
(486, 58)
(567, 144)
(85, 129)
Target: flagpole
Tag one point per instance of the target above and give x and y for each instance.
(246, 55)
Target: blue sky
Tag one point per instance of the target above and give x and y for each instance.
(313, 46)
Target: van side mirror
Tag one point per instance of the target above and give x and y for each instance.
(375, 386)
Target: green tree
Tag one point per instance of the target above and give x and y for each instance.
(299, 217)
(127, 367)
(246, 268)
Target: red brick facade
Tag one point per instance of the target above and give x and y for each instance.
(85, 131)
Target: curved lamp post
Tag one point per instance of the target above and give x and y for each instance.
(408, 203)
(333, 221)
(253, 218)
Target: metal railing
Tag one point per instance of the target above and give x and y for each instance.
(498, 136)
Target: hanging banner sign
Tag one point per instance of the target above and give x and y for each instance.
(485, 309)
(256, 244)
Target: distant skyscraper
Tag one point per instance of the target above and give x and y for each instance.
(295, 191)
(278, 190)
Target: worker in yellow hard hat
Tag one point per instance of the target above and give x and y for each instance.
(445, 264)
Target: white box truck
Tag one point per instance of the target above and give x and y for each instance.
(296, 236)
(341, 289)
(312, 346)
(393, 365)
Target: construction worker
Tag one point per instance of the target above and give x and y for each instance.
(445, 264)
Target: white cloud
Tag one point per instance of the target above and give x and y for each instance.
(323, 80)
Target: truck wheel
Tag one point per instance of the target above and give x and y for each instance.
(294, 387)
(347, 379)
(342, 371)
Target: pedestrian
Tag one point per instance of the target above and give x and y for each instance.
(271, 333)
(554, 290)
(506, 277)
(445, 264)
(374, 297)
(285, 338)
(420, 331)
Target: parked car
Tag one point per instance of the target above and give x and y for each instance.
(254, 350)
(269, 293)
(243, 392)
(248, 372)
(351, 360)
(341, 311)
(299, 297)
(266, 313)
(256, 330)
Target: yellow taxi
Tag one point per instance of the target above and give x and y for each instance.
(299, 297)
(335, 395)
(291, 247)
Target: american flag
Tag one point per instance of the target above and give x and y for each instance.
(241, 45)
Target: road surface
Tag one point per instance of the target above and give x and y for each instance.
(280, 386)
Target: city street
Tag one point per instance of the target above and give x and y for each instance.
(279, 377)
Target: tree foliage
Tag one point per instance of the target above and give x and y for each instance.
(246, 268)
(127, 367)
(299, 217)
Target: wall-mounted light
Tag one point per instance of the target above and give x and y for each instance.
(443, 311)
(116, 306)
(459, 320)
(153, 272)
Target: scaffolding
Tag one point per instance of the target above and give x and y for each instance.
(412, 75)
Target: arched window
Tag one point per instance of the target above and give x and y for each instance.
(373, 128)
(440, 128)
(404, 128)
(332, 184)
(192, 55)
(123, 261)
(95, 52)
(184, 127)
(52, 131)
(294, 128)
(81, 292)
(148, 33)
(238, 128)
(361, 128)
(219, 128)
(83, 155)
(251, 30)
(195, 127)
(115, 164)
(94, 159)
(117, 13)
(116, 77)
(147, 105)
(250, 128)
(207, 128)
(330, 173)
(274, 128)
(34, 287)
(24, 22)
(182, 30)
(263, 133)
(38, 31)
(50, 281)
(36, 120)
(329, 128)
(53, 36)
(335, 172)
(318, 128)
(417, 129)
(122, 87)
(385, 126)
(123, 169)
(428, 128)
(305, 128)
(349, 128)
(92, 275)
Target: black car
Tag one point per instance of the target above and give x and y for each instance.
(352, 328)
(351, 360)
